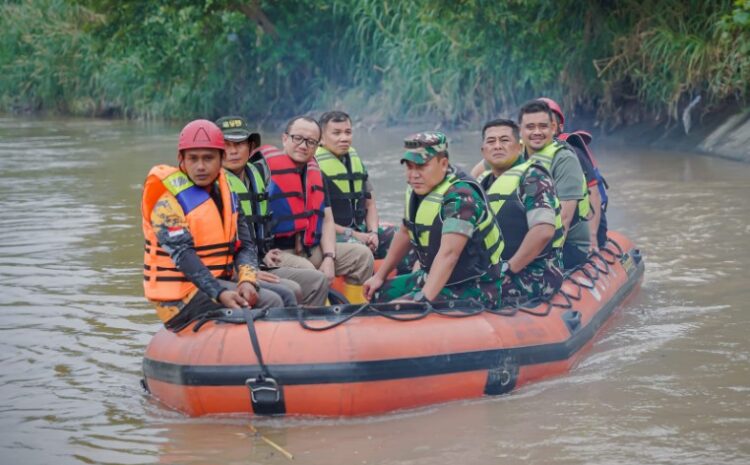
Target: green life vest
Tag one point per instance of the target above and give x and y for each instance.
(425, 226)
(510, 212)
(546, 157)
(253, 203)
(346, 187)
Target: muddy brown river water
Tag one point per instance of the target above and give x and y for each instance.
(666, 382)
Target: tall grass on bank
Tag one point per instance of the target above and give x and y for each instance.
(47, 60)
(679, 50)
(456, 62)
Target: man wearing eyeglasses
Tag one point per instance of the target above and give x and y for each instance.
(294, 285)
(301, 218)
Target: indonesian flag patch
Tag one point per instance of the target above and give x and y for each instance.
(175, 231)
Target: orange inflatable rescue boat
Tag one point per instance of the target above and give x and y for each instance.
(363, 359)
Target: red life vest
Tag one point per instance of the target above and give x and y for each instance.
(294, 207)
(214, 233)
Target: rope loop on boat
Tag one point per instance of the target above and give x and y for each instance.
(337, 315)
(600, 266)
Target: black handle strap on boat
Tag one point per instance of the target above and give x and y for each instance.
(568, 300)
(250, 316)
(581, 284)
(266, 395)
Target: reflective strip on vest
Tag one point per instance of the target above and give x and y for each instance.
(252, 202)
(483, 249)
(546, 156)
(336, 171)
(504, 193)
(214, 233)
(346, 189)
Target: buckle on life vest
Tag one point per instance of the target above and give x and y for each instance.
(263, 390)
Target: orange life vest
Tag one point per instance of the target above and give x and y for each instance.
(214, 232)
(294, 207)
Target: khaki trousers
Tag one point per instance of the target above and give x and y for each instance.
(310, 286)
(353, 261)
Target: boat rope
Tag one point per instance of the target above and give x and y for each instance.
(597, 265)
(600, 266)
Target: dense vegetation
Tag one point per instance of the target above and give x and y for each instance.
(458, 61)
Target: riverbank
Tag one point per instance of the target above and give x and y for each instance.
(724, 134)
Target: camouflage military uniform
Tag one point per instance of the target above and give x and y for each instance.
(385, 237)
(461, 212)
(543, 276)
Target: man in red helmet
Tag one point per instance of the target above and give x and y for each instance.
(536, 123)
(196, 238)
(579, 142)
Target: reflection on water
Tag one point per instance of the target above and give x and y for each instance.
(667, 382)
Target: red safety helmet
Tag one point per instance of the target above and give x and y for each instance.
(554, 107)
(201, 134)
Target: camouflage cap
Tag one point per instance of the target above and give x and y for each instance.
(235, 129)
(423, 146)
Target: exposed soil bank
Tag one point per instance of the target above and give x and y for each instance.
(723, 134)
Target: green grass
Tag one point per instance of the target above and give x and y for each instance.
(457, 62)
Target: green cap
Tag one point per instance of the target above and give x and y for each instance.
(423, 146)
(235, 129)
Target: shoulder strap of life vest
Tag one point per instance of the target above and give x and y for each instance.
(187, 194)
(546, 156)
(418, 222)
(335, 169)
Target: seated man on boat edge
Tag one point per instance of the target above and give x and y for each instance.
(578, 141)
(537, 132)
(196, 238)
(522, 196)
(449, 224)
(352, 197)
(302, 221)
(350, 191)
(294, 285)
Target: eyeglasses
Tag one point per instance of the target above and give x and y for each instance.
(297, 140)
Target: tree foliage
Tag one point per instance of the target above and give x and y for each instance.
(457, 61)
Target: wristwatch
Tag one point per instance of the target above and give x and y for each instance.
(420, 297)
(505, 269)
(348, 233)
(332, 255)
